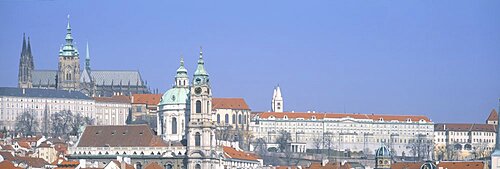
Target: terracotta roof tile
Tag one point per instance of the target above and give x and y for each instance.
(7, 155)
(153, 165)
(330, 165)
(120, 136)
(460, 165)
(6, 164)
(406, 165)
(24, 144)
(493, 115)
(295, 115)
(229, 103)
(7, 147)
(31, 161)
(127, 166)
(147, 98)
(114, 99)
(463, 127)
(231, 152)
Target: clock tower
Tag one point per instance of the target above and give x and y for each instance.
(201, 147)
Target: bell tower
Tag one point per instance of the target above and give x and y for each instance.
(201, 135)
(68, 74)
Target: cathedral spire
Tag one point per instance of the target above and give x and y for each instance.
(24, 45)
(87, 57)
(69, 38)
(29, 47)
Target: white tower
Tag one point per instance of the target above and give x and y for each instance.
(201, 146)
(277, 102)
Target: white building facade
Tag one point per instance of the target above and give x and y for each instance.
(45, 102)
(350, 132)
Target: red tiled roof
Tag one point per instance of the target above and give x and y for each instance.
(406, 165)
(7, 155)
(493, 116)
(114, 99)
(120, 136)
(24, 144)
(294, 115)
(460, 165)
(7, 147)
(29, 139)
(231, 152)
(127, 166)
(6, 164)
(229, 103)
(464, 127)
(150, 99)
(153, 165)
(31, 161)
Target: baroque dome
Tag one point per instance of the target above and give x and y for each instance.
(176, 95)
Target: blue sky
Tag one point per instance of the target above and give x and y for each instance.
(434, 58)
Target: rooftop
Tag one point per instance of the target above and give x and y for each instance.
(375, 117)
(42, 93)
(229, 103)
(114, 136)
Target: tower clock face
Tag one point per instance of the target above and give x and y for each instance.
(197, 90)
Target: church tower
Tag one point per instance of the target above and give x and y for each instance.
(26, 66)
(68, 74)
(87, 85)
(277, 102)
(201, 135)
(174, 108)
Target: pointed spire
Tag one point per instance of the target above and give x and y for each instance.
(87, 51)
(87, 58)
(69, 26)
(24, 44)
(278, 92)
(29, 47)
(200, 70)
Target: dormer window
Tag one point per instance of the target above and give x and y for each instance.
(313, 117)
(285, 117)
(408, 120)
(381, 119)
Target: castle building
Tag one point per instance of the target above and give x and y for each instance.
(495, 156)
(69, 76)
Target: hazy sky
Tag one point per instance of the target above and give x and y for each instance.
(426, 57)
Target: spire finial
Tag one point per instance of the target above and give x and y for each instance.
(68, 27)
(201, 52)
(87, 51)
(182, 60)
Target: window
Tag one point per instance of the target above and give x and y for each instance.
(227, 119)
(197, 139)
(218, 118)
(139, 109)
(208, 107)
(234, 119)
(198, 106)
(198, 166)
(239, 119)
(174, 125)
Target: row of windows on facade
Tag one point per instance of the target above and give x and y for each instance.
(341, 124)
(479, 140)
(48, 100)
(468, 133)
(242, 119)
(314, 118)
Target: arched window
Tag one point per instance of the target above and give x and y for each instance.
(174, 125)
(227, 119)
(234, 119)
(169, 166)
(197, 139)
(197, 166)
(198, 106)
(68, 76)
(245, 119)
(218, 118)
(239, 118)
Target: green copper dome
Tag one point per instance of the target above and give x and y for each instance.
(181, 71)
(176, 95)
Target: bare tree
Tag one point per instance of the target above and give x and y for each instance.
(65, 123)
(27, 123)
(78, 122)
(420, 147)
(283, 140)
(328, 142)
(317, 142)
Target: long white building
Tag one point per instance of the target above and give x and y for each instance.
(352, 132)
(45, 102)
